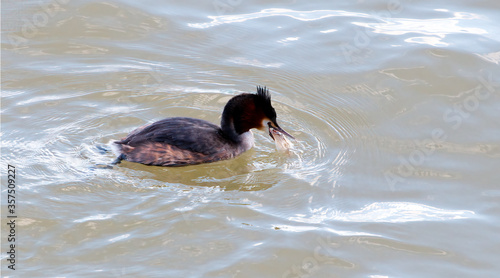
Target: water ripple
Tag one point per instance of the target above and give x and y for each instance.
(299, 15)
(390, 212)
(95, 217)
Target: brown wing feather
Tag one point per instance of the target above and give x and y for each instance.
(161, 154)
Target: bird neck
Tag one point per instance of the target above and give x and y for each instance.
(239, 116)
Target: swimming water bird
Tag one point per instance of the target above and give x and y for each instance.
(183, 141)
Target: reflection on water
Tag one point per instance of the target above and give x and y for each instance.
(434, 30)
(394, 106)
(299, 15)
(386, 212)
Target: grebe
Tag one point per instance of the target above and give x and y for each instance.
(183, 141)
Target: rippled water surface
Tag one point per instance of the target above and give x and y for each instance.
(395, 106)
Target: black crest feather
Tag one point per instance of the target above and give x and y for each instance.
(264, 100)
(263, 93)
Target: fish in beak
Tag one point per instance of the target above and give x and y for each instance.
(275, 129)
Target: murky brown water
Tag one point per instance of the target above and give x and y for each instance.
(394, 105)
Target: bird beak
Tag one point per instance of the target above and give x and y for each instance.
(274, 128)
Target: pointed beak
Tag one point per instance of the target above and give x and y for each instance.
(274, 128)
